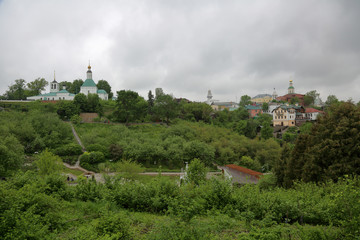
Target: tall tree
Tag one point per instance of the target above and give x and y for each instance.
(75, 86)
(17, 90)
(93, 104)
(331, 99)
(245, 100)
(103, 84)
(150, 102)
(81, 101)
(196, 172)
(129, 106)
(36, 86)
(66, 84)
(11, 155)
(166, 107)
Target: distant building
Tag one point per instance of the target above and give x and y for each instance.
(262, 98)
(287, 115)
(219, 106)
(88, 87)
(254, 110)
(292, 95)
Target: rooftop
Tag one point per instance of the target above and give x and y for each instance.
(89, 83)
(244, 170)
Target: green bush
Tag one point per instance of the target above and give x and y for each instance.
(98, 148)
(69, 149)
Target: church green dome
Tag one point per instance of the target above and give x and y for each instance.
(89, 83)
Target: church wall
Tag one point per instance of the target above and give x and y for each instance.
(87, 90)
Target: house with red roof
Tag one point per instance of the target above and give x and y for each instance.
(241, 175)
(312, 113)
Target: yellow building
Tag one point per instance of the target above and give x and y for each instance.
(262, 98)
(285, 115)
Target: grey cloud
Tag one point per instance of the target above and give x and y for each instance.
(186, 47)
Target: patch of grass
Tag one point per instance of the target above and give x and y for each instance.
(72, 171)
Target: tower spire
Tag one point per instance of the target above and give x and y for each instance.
(54, 76)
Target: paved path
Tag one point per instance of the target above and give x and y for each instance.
(77, 164)
(77, 138)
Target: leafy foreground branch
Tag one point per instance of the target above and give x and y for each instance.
(45, 207)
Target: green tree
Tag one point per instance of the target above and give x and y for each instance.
(129, 106)
(331, 99)
(76, 86)
(81, 101)
(48, 163)
(294, 100)
(330, 151)
(266, 131)
(166, 107)
(310, 97)
(93, 104)
(36, 86)
(265, 106)
(67, 109)
(150, 102)
(11, 154)
(17, 90)
(250, 163)
(198, 111)
(245, 100)
(66, 84)
(196, 172)
(103, 84)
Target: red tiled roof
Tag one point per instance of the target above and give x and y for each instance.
(312, 110)
(244, 170)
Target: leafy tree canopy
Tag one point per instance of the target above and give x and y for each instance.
(36, 86)
(129, 106)
(245, 100)
(103, 84)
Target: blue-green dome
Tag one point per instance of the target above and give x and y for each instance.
(89, 83)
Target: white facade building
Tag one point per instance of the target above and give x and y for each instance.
(55, 94)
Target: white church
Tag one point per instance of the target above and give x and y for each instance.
(56, 94)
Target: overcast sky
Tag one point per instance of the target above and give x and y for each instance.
(186, 47)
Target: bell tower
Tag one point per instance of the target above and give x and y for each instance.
(54, 85)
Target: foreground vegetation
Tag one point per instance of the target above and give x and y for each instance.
(45, 207)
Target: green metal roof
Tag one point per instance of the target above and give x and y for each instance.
(251, 107)
(89, 83)
(290, 87)
(101, 91)
(48, 94)
(63, 91)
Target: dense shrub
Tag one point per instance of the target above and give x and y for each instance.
(69, 149)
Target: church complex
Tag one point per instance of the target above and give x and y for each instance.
(56, 94)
